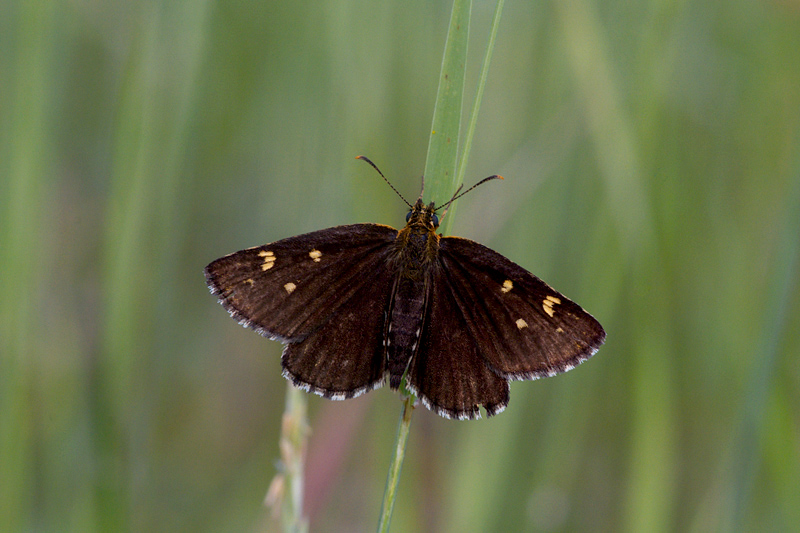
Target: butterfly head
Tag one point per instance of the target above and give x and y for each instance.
(422, 215)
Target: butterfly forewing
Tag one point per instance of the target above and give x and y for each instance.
(523, 327)
(289, 288)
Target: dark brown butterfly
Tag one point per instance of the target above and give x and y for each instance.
(361, 303)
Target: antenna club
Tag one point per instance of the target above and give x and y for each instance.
(459, 194)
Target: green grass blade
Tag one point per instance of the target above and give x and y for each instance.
(24, 176)
(440, 166)
(440, 173)
(476, 105)
(776, 323)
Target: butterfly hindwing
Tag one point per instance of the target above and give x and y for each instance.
(525, 329)
(448, 373)
(278, 289)
(344, 357)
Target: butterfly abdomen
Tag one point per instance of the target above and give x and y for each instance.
(404, 326)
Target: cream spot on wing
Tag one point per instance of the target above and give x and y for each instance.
(290, 287)
(249, 281)
(507, 286)
(521, 323)
(559, 330)
(548, 304)
(315, 255)
(269, 259)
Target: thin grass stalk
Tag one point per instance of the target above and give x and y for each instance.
(443, 172)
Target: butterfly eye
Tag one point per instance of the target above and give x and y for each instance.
(435, 221)
(408, 216)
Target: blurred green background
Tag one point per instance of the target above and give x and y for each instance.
(652, 158)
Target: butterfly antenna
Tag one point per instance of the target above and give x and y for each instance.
(373, 165)
(447, 205)
(456, 195)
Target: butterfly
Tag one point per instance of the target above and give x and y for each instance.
(361, 305)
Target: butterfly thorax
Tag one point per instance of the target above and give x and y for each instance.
(417, 245)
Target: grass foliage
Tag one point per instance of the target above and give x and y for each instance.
(652, 157)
